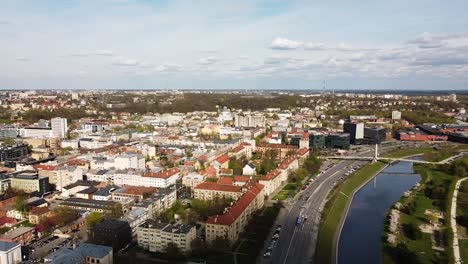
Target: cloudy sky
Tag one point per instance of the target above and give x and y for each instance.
(289, 44)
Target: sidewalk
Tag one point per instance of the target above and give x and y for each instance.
(453, 222)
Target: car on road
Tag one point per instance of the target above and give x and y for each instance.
(267, 254)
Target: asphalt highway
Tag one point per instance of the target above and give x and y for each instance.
(296, 243)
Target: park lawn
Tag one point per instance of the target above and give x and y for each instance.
(423, 247)
(463, 243)
(407, 152)
(287, 191)
(335, 208)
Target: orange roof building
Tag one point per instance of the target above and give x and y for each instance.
(234, 219)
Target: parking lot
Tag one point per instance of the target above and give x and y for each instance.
(48, 245)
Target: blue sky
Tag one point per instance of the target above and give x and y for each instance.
(125, 44)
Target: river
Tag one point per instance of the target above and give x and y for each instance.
(360, 238)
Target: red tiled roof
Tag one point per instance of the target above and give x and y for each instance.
(271, 175)
(285, 163)
(226, 171)
(214, 186)
(222, 159)
(44, 167)
(7, 220)
(237, 149)
(265, 145)
(163, 174)
(39, 210)
(138, 190)
(303, 151)
(211, 172)
(241, 178)
(225, 181)
(236, 210)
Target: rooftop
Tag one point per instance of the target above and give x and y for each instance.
(6, 246)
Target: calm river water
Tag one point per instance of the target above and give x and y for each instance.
(360, 237)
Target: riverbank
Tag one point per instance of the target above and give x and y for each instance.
(336, 206)
(424, 235)
(338, 200)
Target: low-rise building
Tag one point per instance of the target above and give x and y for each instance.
(10, 253)
(84, 253)
(155, 236)
(22, 235)
(90, 205)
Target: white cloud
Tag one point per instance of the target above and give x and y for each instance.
(208, 60)
(120, 61)
(104, 52)
(285, 44)
(21, 58)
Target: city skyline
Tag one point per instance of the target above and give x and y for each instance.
(224, 45)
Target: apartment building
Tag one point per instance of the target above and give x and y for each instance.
(10, 253)
(155, 236)
(234, 219)
(211, 190)
(161, 179)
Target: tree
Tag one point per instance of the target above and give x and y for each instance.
(92, 219)
(220, 244)
(20, 204)
(460, 171)
(173, 251)
(115, 213)
(198, 247)
(412, 231)
(65, 215)
(463, 220)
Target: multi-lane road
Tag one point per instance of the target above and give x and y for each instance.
(296, 243)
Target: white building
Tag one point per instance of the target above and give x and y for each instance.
(249, 169)
(396, 115)
(59, 127)
(122, 162)
(36, 132)
(249, 120)
(90, 143)
(67, 175)
(162, 179)
(10, 253)
(155, 236)
(69, 144)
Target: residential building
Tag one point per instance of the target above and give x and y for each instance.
(249, 169)
(210, 190)
(66, 175)
(232, 222)
(396, 115)
(155, 236)
(59, 127)
(10, 253)
(192, 179)
(22, 235)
